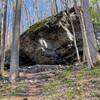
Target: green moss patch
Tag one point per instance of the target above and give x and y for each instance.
(38, 25)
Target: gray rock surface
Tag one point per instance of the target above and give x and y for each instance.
(51, 43)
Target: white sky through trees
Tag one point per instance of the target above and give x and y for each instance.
(43, 11)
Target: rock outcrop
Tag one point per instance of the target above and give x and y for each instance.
(50, 41)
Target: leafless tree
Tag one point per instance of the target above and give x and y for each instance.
(98, 9)
(35, 5)
(90, 31)
(14, 64)
(54, 8)
(3, 32)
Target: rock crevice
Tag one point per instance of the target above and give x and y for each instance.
(52, 43)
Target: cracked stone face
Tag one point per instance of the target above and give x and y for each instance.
(50, 44)
(48, 47)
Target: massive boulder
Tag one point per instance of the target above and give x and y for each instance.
(51, 41)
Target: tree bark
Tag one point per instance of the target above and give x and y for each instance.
(98, 9)
(14, 64)
(90, 31)
(85, 41)
(8, 33)
(54, 8)
(75, 43)
(3, 33)
(0, 24)
(75, 2)
(36, 10)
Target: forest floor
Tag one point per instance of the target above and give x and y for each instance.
(69, 84)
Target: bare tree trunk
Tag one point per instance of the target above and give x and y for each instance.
(0, 35)
(90, 31)
(14, 64)
(75, 44)
(98, 9)
(28, 14)
(54, 8)
(36, 10)
(78, 14)
(3, 32)
(8, 29)
(11, 26)
(85, 41)
(75, 2)
(64, 4)
(0, 24)
(81, 25)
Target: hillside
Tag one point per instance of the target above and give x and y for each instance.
(72, 83)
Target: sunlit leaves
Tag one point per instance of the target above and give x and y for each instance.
(94, 13)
